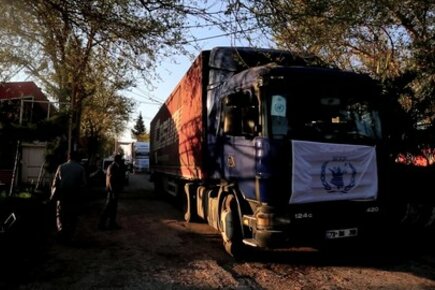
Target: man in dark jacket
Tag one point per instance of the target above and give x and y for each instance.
(114, 183)
(67, 190)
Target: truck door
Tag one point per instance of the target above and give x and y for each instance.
(239, 127)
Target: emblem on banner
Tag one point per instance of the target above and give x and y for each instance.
(338, 175)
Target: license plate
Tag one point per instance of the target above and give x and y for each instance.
(341, 233)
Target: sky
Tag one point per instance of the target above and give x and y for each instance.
(171, 74)
(170, 71)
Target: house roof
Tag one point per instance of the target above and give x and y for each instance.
(15, 90)
(19, 90)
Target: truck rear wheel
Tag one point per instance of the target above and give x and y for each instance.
(230, 228)
(158, 185)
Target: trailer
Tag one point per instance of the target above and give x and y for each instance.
(271, 150)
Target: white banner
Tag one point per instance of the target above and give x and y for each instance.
(327, 172)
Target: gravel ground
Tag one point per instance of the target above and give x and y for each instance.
(156, 249)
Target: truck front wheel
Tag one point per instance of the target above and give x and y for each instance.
(230, 228)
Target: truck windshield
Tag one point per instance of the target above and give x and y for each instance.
(322, 117)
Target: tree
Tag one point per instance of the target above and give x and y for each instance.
(390, 39)
(61, 41)
(139, 130)
(104, 118)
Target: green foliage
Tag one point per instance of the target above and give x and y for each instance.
(139, 131)
(61, 41)
(390, 39)
(104, 117)
(80, 50)
(139, 128)
(43, 130)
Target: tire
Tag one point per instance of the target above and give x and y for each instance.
(188, 204)
(231, 228)
(158, 186)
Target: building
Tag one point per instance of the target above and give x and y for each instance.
(21, 103)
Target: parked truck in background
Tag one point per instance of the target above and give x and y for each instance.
(141, 156)
(270, 150)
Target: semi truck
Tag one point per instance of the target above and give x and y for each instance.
(140, 156)
(272, 149)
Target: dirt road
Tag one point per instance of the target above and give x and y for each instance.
(156, 249)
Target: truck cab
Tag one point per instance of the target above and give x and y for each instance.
(304, 149)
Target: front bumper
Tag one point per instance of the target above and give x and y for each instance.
(311, 224)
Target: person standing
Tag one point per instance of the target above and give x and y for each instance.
(68, 188)
(114, 184)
